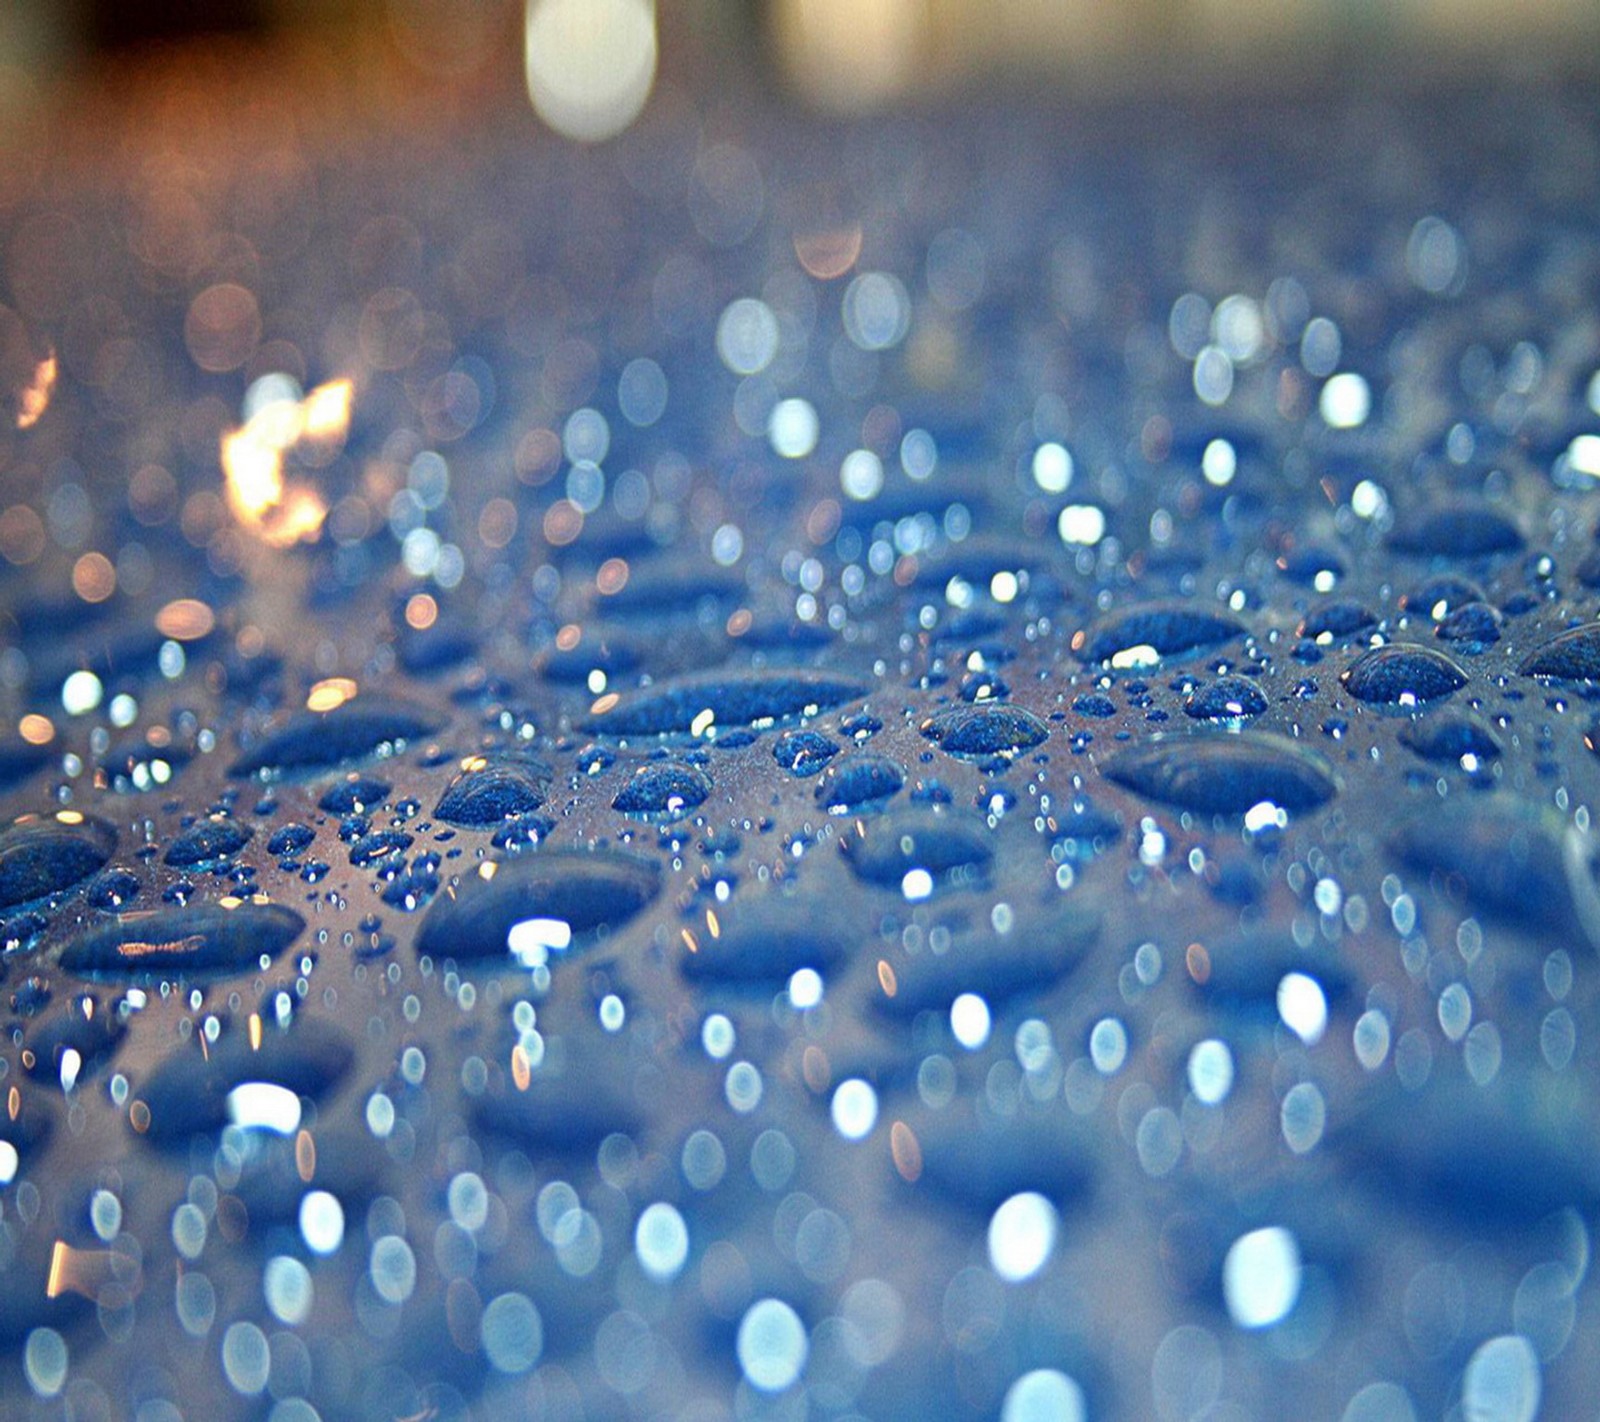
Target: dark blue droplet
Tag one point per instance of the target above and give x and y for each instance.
(747, 699)
(377, 846)
(1400, 674)
(487, 792)
(318, 740)
(187, 1095)
(985, 730)
(1472, 623)
(207, 840)
(354, 793)
(1169, 629)
(949, 848)
(1093, 703)
(663, 787)
(591, 893)
(1228, 698)
(858, 781)
(803, 752)
(1447, 737)
(112, 888)
(1218, 774)
(197, 943)
(761, 945)
(1456, 530)
(44, 854)
(290, 838)
(1574, 655)
(1334, 621)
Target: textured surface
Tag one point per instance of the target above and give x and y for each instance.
(831, 835)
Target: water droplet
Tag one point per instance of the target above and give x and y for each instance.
(762, 943)
(1224, 774)
(196, 943)
(44, 854)
(748, 699)
(590, 893)
(1228, 698)
(1456, 530)
(208, 840)
(1574, 655)
(187, 1095)
(488, 792)
(1167, 629)
(946, 847)
(985, 730)
(319, 740)
(354, 794)
(803, 752)
(858, 782)
(1402, 674)
(663, 787)
(1450, 737)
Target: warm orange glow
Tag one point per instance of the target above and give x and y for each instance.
(521, 1068)
(326, 695)
(185, 619)
(421, 612)
(305, 1156)
(36, 730)
(563, 522)
(830, 252)
(82, 1271)
(253, 459)
(740, 622)
(569, 636)
(886, 978)
(613, 576)
(255, 1031)
(94, 578)
(907, 1152)
(851, 55)
(1198, 962)
(604, 704)
(35, 397)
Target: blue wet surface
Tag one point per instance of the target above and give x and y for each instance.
(1001, 830)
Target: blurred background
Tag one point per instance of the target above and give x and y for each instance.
(833, 54)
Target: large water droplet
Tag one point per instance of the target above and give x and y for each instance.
(985, 730)
(1456, 530)
(589, 893)
(188, 1093)
(1401, 674)
(207, 840)
(197, 943)
(743, 699)
(487, 792)
(857, 782)
(944, 846)
(1167, 629)
(663, 787)
(318, 740)
(761, 944)
(1574, 655)
(44, 854)
(1224, 774)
